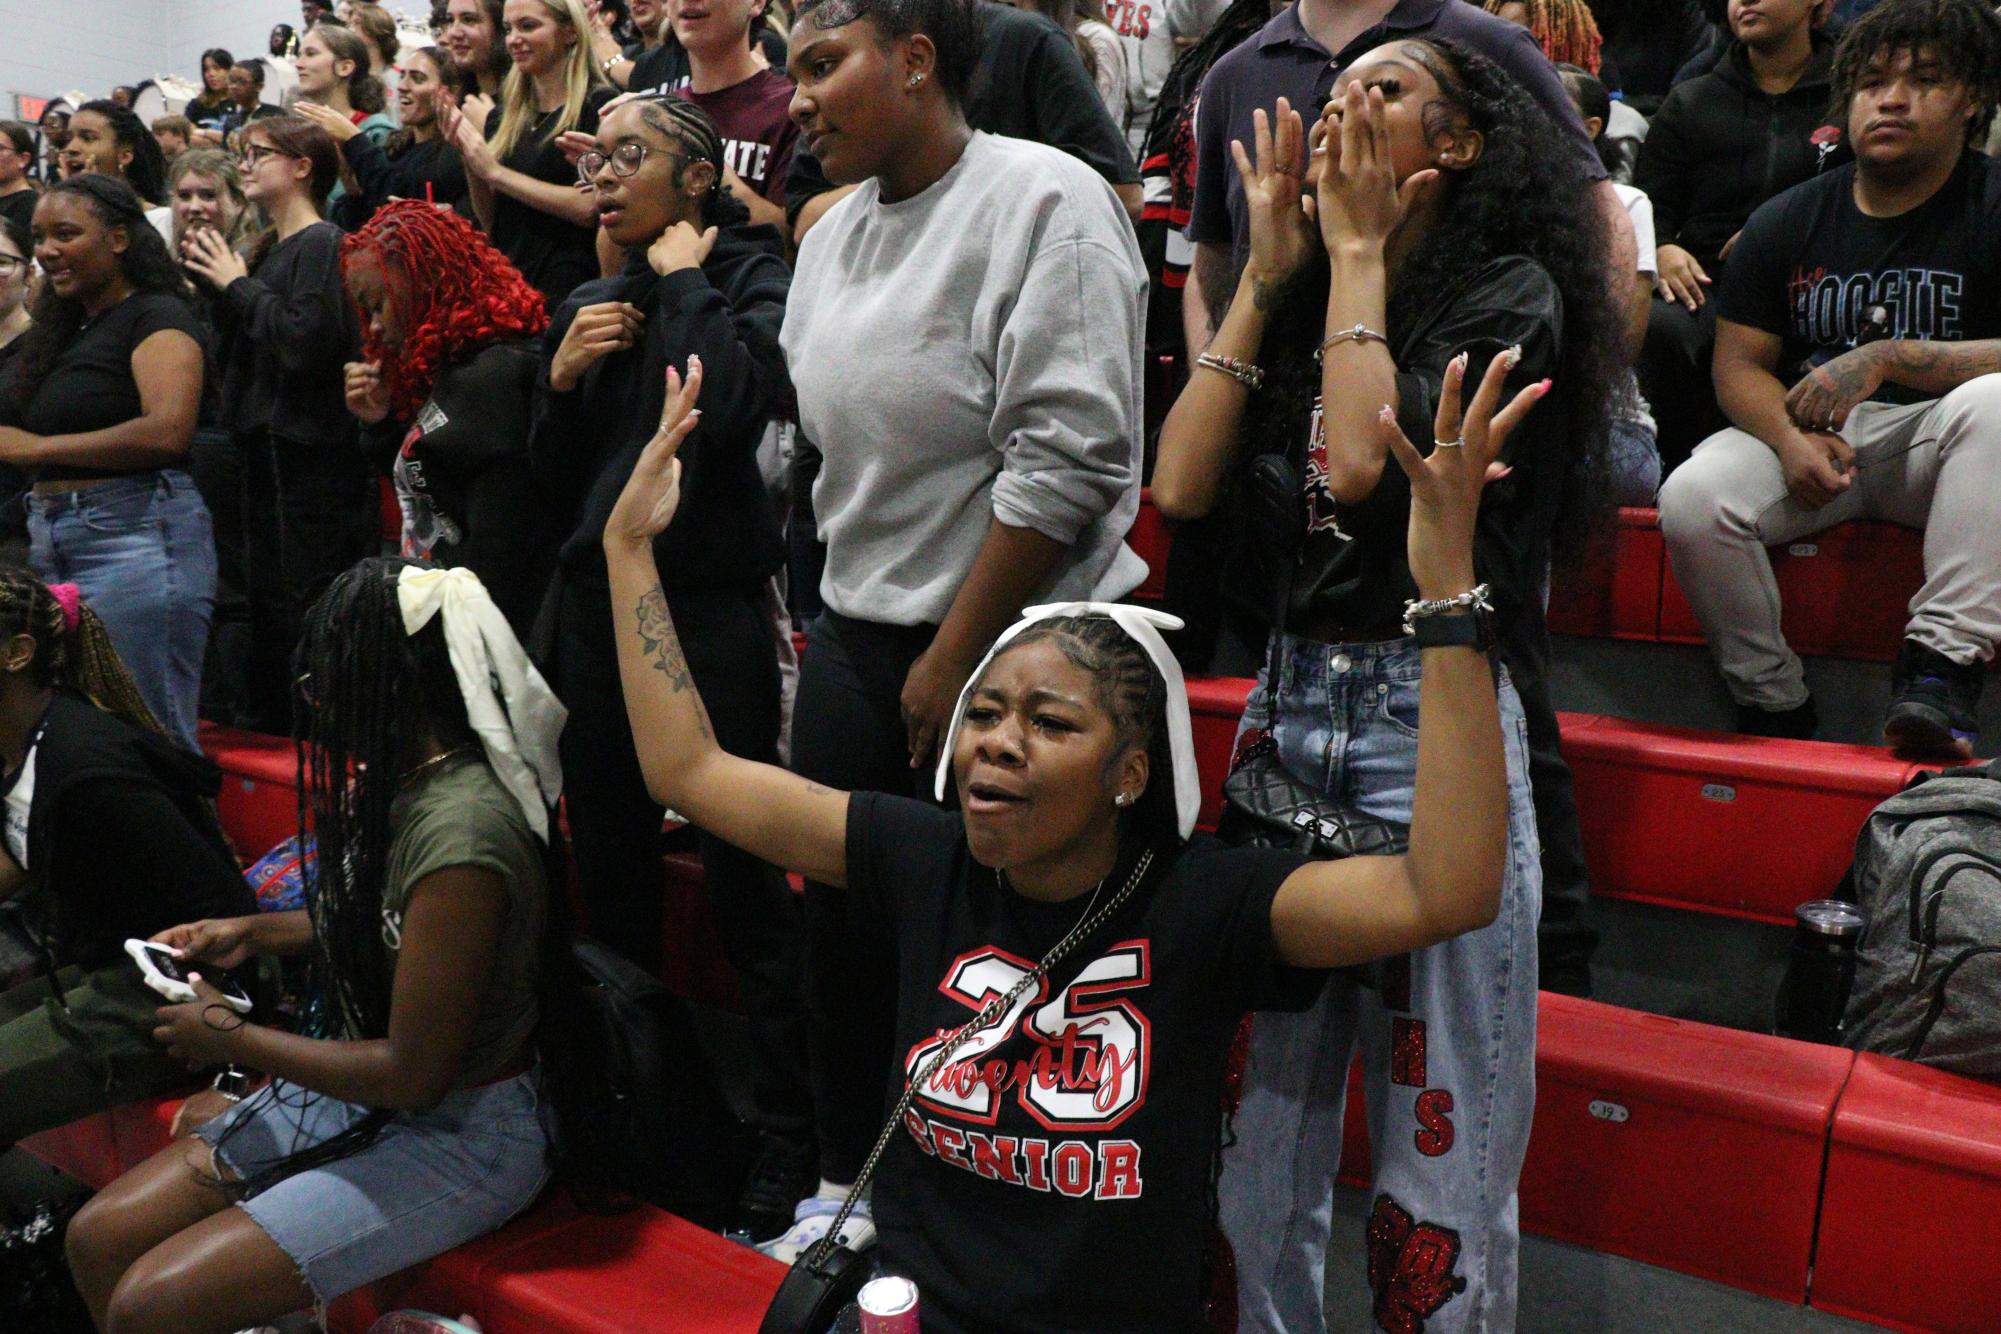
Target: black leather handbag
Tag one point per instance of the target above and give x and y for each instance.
(1266, 805)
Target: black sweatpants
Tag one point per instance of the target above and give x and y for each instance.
(1674, 375)
(309, 512)
(615, 825)
(847, 732)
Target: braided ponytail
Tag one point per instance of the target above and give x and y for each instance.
(73, 651)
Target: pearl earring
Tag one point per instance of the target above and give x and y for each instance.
(1123, 799)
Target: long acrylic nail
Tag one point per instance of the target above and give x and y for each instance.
(1512, 356)
(1386, 414)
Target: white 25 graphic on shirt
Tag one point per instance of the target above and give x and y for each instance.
(1112, 1033)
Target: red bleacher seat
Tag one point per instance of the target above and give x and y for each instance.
(1844, 592)
(1745, 826)
(1680, 1144)
(259, 802)
(1215, 703)
(98, 1149)
(1615, 595)
(1910, 1226)
(1149, 540)
(558, 1271)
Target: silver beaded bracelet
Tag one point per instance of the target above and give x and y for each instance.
(1467, 601)
(1243, 372)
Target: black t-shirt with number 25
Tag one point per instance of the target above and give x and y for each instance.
(1055, 1175)
(1827, 277)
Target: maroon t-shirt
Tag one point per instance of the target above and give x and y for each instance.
(756, 124)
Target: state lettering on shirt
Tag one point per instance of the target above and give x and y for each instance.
(749, 159)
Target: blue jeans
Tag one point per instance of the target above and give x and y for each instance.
(141, 551)
(1447, 1044)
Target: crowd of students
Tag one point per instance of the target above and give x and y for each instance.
(671, 327)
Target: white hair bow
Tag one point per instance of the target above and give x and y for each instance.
(517, 724)
(1144, 626)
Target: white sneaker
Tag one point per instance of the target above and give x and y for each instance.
(810, 1222)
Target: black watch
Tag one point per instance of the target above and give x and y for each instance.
(1472, 628)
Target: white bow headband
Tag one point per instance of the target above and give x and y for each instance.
(519, 737)
(1144, 626)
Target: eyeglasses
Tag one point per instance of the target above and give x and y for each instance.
(9, 263)
(256, 153)
(626, 159)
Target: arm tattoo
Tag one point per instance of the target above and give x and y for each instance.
(1940, 368)
(659, 643)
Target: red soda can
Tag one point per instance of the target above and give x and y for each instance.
(889, 1306)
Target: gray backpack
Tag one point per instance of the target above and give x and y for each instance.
(1928, 971)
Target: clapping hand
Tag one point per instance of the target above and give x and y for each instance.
(207, 255)
(1445, 485)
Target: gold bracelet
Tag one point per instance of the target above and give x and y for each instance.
(1361, 333)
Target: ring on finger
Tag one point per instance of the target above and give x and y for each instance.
(1455, 442)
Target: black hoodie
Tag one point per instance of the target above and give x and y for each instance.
(585, 442)
(168, 862)
(1719, 146)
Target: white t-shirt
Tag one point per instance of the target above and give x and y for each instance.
(1641, 210)
(20, 797)
(1110, 75)
(1147, 29)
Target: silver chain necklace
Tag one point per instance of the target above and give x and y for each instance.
(988, 1015)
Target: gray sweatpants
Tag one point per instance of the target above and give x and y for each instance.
(1935, 466)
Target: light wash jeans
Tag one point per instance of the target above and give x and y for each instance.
(1934, 466)
(1448, 1045)
(142, 552)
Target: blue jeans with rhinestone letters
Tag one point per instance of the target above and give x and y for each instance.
(1447, 1045)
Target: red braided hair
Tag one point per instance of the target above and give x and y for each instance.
(452, 291)
(1565, 30)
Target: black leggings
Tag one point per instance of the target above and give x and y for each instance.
(615, 825)
(847, 732)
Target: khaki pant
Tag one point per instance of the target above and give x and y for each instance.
(59, 1062)
(1934, 466)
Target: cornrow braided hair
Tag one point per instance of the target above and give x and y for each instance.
(82, 660)
(1564, 28)
(1964, 36)
(452, 291)
(1130, 690)
(365, 691)
(689, 126)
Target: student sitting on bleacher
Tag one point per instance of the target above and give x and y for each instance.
(1057, 1174)
(108, 835)
(418, 1121)
(1858, 345)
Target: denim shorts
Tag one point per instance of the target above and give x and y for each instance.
(430, 1181)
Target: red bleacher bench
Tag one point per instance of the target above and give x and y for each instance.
(1616, 595)
(1680, 1144)
(1743, 826)
(259, 799)
(1215, 704)
(693, 965)
(556, 1270)
(1910, 1225)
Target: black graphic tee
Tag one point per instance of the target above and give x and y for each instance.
(1826, 277)
(1055, 1175)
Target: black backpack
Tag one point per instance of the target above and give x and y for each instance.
(654, 1123)
(1928, 970)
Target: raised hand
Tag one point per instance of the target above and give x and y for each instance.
(653, 492)
(1445, 484)
(338, 127)
(1359, 199)
(1282, 233)
(680, 247)
(206, 254)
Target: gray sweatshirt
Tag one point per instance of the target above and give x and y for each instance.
(968, 354)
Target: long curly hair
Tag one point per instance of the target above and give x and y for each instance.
(1565, 30)
(1965, 35)
(452, 292)
(147, 264)
(1526, 194)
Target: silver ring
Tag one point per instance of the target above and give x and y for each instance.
(1450, 444)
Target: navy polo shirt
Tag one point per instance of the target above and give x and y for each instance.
(1282, 60)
